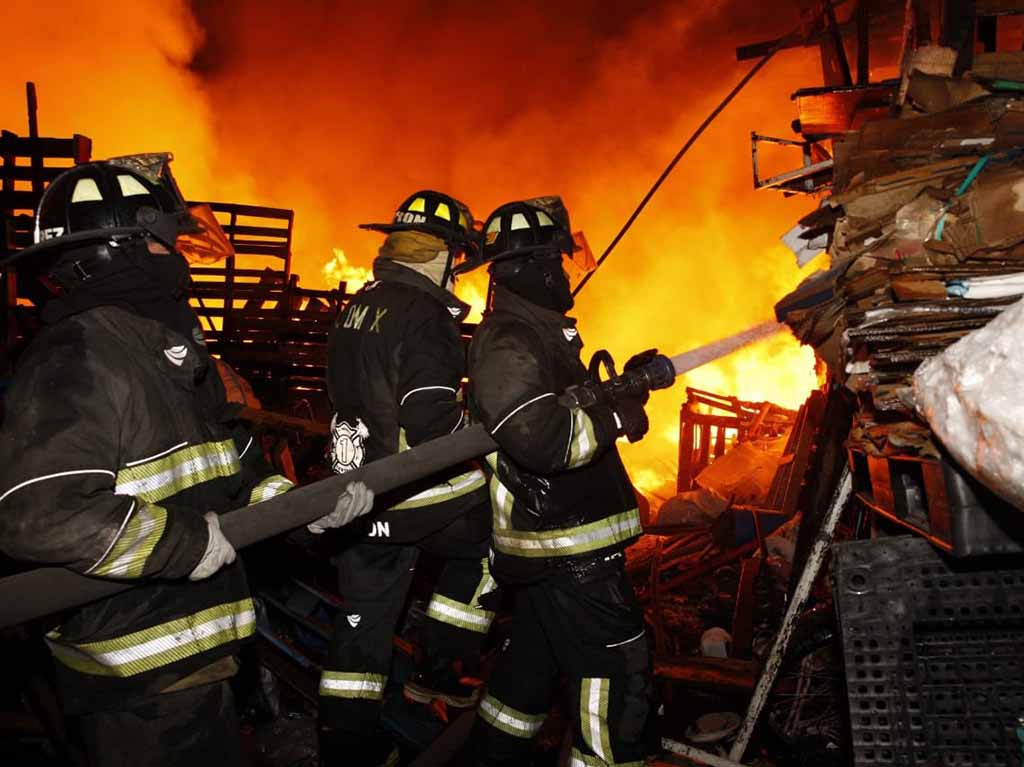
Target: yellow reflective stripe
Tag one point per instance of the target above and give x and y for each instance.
(501, 503)
(594, 717)
(445, 491)
(136, 543)
(343, 684)
(273, 485)
(155, 480)
(486, 584)
(579, 759)
(447, 610)
(159, 645)
(508, 719)
(582, 440)
(574, 540)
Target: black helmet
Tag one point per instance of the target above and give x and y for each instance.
(435, 213)
(117, 198)
(525, 228)
(92, 207)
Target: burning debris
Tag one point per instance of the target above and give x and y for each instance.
(925, 250)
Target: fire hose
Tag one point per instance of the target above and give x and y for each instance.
(42, 591)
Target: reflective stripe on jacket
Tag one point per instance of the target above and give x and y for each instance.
(111, 451)
(558, 488)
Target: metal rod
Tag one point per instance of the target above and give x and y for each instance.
(822, 541)
(675, 161)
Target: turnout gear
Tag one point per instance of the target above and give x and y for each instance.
(558, 487)
(395, 363)
(563, 511)
(197, 727)
(395, 366)
(606, 667)
(116, 440)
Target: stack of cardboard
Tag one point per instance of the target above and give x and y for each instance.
(925, 232)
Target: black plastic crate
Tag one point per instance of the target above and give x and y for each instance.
(934, 654)
(939, 500)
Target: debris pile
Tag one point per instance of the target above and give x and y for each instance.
(925, 233)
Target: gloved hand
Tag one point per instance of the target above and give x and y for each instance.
(638, 361)
(219, 551)
(631, 417)
(356, 501)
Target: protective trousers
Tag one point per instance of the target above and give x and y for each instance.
(587, 627)
(197, 727)
(374, 579)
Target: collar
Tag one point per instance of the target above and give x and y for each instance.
(168, 351)
(506, 301)
(387, 270)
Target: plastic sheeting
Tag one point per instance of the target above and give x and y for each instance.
(971, 397)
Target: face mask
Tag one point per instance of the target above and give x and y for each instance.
(541, 281)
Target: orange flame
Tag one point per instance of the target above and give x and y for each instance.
(338, 269)
(343, 133)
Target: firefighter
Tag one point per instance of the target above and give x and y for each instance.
(395, 366)
(117, 455)
(564, 508)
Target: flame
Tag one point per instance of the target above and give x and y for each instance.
(338, 269)
(343, 133)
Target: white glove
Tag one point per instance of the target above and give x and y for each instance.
(356, 501)
(219, 551)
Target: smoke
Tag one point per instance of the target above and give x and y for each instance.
(340, 110)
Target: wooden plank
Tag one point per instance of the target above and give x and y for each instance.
(23, 146)
(743, 612)
(283, 422)
(240, 230)
(11, 199)
(729, 673)
(998, 7)
(279, 250)
(26, 173)
(254, 211)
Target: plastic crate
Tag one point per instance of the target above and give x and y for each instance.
(937, 499)
(934, 654)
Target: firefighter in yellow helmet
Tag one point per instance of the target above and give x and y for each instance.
(395, 366)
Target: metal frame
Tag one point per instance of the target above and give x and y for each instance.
(809, 178)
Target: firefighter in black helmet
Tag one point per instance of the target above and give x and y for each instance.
(563, 507)
(395, 366)
(117, 455)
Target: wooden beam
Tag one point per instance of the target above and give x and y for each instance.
(728, 673)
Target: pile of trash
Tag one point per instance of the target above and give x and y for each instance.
(925, 234)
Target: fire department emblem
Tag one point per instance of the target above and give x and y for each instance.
(347, 442)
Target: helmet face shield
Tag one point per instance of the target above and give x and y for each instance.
(205, 242)
(580, 262)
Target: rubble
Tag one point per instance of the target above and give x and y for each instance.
(925, 241)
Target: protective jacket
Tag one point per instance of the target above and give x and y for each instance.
(114, 445)
(558, 487)
(395, 366)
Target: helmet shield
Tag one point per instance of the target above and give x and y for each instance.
(580, 262)
(208, 243)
